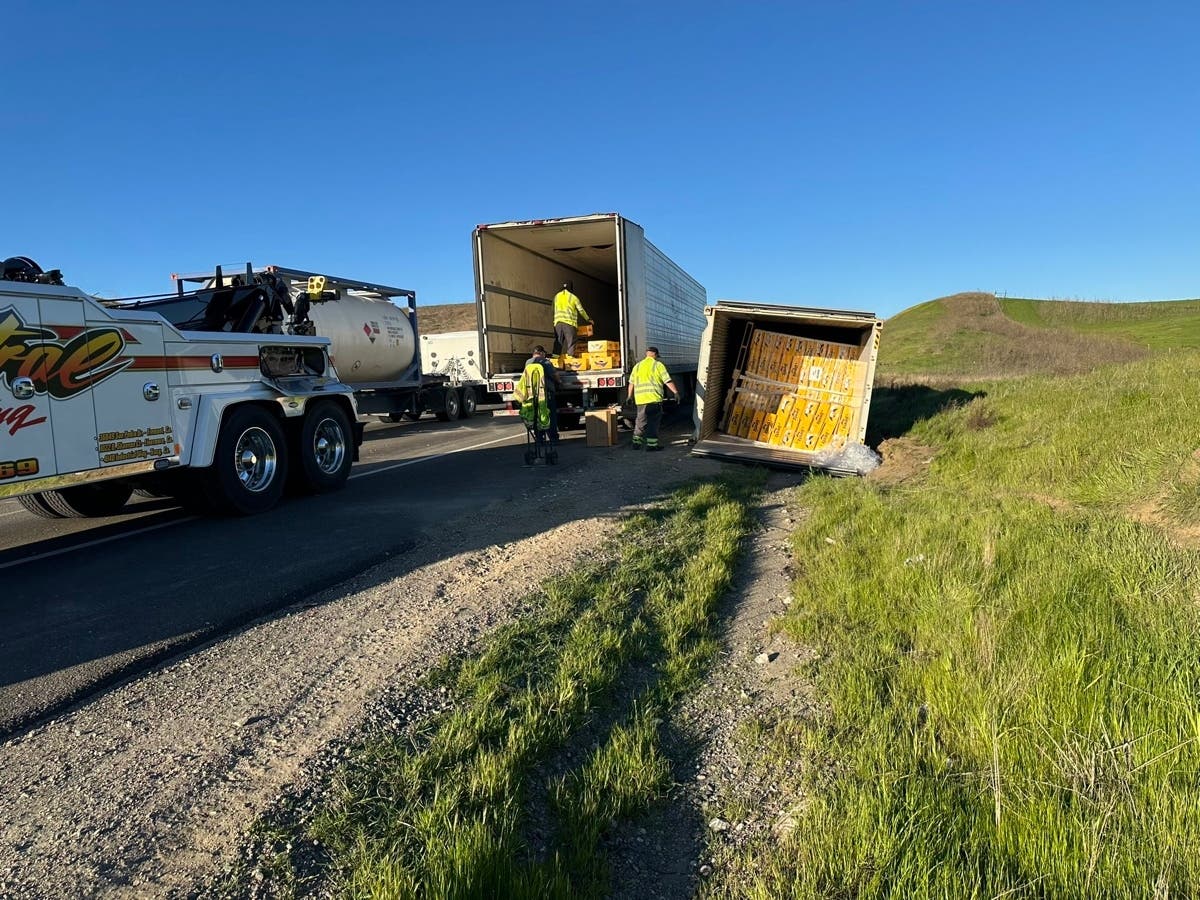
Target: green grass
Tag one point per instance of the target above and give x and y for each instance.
(978, 336)
(1165, 325)
(1009, 659)
(561, 712)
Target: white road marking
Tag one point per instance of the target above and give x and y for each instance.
(421, 459)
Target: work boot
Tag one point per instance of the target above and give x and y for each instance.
(653, 448)
(635, 445)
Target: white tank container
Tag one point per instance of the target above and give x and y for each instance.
(372, 339)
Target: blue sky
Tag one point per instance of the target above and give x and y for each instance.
(868, 155)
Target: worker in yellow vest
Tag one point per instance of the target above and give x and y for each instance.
(567, 313)
(646, 383)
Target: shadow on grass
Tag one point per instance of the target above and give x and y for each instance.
(895, 409)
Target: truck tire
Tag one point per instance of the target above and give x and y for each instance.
(250, 464)
(470, 401)
(89, 501)
(451, 406)
(36, 504)
(325, 450)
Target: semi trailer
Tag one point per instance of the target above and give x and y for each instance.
(98, 399)
(636, 296)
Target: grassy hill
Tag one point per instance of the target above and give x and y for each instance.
(1007, 638)
(1005, 618)
(977, 336)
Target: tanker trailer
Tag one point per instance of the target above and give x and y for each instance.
(374, 338)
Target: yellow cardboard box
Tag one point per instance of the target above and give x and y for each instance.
(596, 361)
(604, 348)
(575, 363)
(583, 331)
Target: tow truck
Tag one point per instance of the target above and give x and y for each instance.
(102, 398)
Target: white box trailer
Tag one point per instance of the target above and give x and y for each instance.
(634, 293)
(784, 385)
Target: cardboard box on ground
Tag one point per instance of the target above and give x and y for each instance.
(601, 427)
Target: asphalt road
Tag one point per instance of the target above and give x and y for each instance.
(85, 603)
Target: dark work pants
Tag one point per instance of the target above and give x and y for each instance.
(645, 428)
(552, 429)
(564, 339)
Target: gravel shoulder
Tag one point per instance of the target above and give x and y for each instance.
(145, 791)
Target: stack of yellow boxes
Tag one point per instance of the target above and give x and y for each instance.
(604, 354)
(794, 392)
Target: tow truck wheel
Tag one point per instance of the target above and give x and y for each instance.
(36, 504)
(89, 501)
(470, 400)
(250, 465)
(326, 449)
(453, 403)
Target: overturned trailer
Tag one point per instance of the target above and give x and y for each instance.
(784, 386)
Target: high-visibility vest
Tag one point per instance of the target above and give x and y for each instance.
(531, 393)
(648, 379)
(568, 309)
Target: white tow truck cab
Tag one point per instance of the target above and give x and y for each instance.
(98, 399)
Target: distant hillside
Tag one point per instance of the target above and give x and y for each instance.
(976, 335)
(446, 317)
(1159, 325)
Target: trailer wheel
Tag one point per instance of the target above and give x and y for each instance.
(36, 504)
(250, 464)
(470, 401)
(451, 406)
(89, 501)
(325, 450)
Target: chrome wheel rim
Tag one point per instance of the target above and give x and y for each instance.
(329, 446)
(254, 460)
